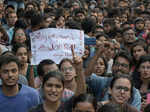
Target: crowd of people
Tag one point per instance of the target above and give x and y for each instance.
(113, 75)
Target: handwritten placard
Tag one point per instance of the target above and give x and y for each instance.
(55, 44)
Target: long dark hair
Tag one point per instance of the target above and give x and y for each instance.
(136, 74)
(27, 42)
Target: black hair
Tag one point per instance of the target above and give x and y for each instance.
(139, 19)
(125, 23)
(110, 107)
(84, 98)
(40, 66)
(21, 23)
(49, 10)
(6, 59)
(118, 31)
(114, 12)
(29, 15)
(139, 42)
(31, 3)
(36, 20)
(101, 34)
(112, 32)
(76, 11)
(10, 6)
(73, 24)
(88, 25)
(124, 54)
(20, 12)
(65, 60)
(124, 76)
(55, 74)
(136, 74)
(126, 29)
(109, 21)
(27, 41)
(17, 46)
(59, 12)
(142, 60)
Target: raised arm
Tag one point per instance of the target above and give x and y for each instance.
(31, 77)
(90, 68)
(80, 79)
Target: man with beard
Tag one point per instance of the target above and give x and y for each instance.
(99, 85)
(14, 97)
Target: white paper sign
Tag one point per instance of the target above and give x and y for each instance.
(55, 44)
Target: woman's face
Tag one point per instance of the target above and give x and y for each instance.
(100, 67)
(144, 70)
(84, 107)
(60, 22)
(20, 36)
(121, 91)
(22, 54)
(68, 70)
(53, 89)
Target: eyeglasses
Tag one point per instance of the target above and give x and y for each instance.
(65, 69)
(120, 88)
(121, 64)
(19, 34)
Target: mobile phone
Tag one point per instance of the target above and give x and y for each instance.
(90, 41)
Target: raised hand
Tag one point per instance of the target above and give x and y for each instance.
(80, 79)
(76, 59)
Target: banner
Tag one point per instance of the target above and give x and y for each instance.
(55, 44)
